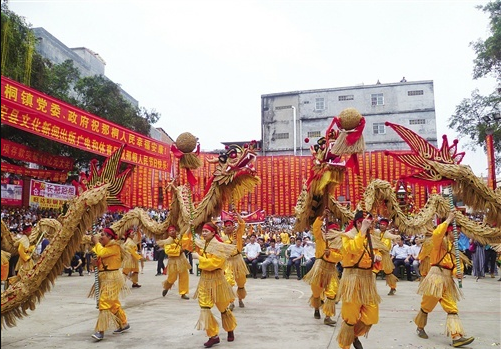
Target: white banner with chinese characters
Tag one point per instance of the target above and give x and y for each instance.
(49, 195)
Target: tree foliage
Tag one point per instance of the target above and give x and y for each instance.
(96, 94)
(477, 115)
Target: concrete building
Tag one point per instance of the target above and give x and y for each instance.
(288, 118)
(88, 62)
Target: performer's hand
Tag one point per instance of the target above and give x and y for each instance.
(459, 276)
(327, 252)
(377, 258)
(451, 217)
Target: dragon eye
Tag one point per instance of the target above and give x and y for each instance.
(321, 141)
(316, 147)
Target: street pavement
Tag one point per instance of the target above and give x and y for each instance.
(276, 315)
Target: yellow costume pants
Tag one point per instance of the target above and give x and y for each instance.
(184, 278)
(354, 312)
(329, 292)
(227, 317)
(428, 303)
(132, 273)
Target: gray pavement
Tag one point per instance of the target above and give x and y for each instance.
(276, 315)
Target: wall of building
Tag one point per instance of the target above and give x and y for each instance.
(407, 103)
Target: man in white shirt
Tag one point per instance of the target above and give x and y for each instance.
(252, 251)
(309, 253)
(400, 254)
(414, 251)
(294, 254)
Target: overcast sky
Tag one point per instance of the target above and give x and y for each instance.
(203, 65)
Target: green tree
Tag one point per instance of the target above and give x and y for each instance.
(96, 95)
(478, 115)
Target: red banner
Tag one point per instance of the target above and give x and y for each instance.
(40, 114)
(53, 176)
(21, 152)
(12, 192)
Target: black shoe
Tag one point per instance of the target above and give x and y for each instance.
(456, 343)
(158, 274)
(276, 277)
(357, 344)
(263, 277)
(316, 314)
(122, 329)
(164, 292)
(255, 276)
(421, 333)
(286, 276)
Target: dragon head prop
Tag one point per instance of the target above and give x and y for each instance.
(234, 162)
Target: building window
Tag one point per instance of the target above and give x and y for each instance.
(281, 135)
(379, 128)
(345, 98)
(283, 107)
(415, 93)
(313, 134)
(377, 99)
(319, 103)
(306, 102)
(417, 122)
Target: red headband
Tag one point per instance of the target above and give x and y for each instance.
(209, 227)
(110, 232)
(171, 226)
(333, 226)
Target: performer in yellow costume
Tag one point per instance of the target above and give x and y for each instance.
(25, 262)
(111, 282)
(178, 265)
(131, 264)
(385, 264)
(438, 286)
(360, 308)
(323, 276)
(5, 268)
(236, 269)
(213, 289)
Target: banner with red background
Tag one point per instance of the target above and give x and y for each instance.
(21, 152)
(54, 176)
(32, 111)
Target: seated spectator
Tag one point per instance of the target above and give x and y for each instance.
(400, 255)
(294, 255)
(414, 251)
(252, 251)
(309, 253)
(273, 254)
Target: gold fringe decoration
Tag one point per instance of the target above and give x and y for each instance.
(329, 307)
(241, 292)
(219, 249)
(321, 273)
(388, 265)
(453, 325)
(346, 335)
(106, 319)
(237, 266)
(315, 302)
(112, 285)
(228, 320)
(8, 241)
(139, 218)
(421, 319)
(473, 191)
(190, 160)
(391, 280)
(358, 286)
(362, 329)
(216, 284)
(68, 231)
(178, 264)
(206, 320)
(439, 281)
(5, 256)
(340, 146)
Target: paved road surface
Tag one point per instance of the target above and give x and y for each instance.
(276, 316)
